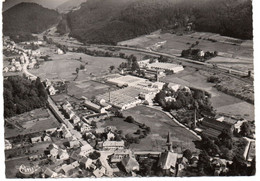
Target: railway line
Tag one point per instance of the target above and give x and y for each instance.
(240, 75)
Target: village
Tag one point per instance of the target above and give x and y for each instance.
(81, 140)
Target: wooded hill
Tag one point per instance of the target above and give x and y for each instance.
(27, 18)
(111, 21)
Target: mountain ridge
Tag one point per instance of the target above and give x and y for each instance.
(111, 21)
(28, 18)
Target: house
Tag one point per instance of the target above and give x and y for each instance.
(67, 170)
(63, 154)
(238, 125)
(83, 127)
(130, 164)
(51, 130)
(47, 82)
(65, 131)
(174, 68)
(59, 51)
(90, 135)
(5, 69)
(8, 145)
(220, 166)
(74, 144)
(85, 163)
(100, 130)
(70, 113)
(110, 136)
(46, 138)
(201, 53)
(30, 65)
(113, 145)
(36, 139)
(99, 172)
(12, 69)
(19, 68)
(75, 119)
(213, 128)
(57, 153)
(174, 86)
(144, 63)
(167, 162)
(75, 164)
(105, 105)
(67, 105)
(86, 149)
(48, 173)
(118, 155)
(94, 117)
(52, 91)
(94, 107)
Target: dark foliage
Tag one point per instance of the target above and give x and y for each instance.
(94, 155)
(27, 18)
(22, 95)
(111, 21)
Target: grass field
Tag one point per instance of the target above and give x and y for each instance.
(239, 52)
(12, 166)
(127, 128)
(64, 66)
(33, 121)
(222, 102)
(88, 89)
(160, 124)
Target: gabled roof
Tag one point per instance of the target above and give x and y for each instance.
(211, 132)
(167, 160)
(130, 163)
(49, 172)
(213, 123)
(113, 143)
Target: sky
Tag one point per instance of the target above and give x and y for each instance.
(51, 4)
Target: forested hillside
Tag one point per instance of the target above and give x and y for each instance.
(22, 95)
(26, 18)
(111, 21)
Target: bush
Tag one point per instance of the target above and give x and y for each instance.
(94, 155)
(213, 79)
(129, 119)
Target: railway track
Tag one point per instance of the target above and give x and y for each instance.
(240, 75)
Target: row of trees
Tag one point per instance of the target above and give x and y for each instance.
(195, 54)
(193, 99)
(23, 95)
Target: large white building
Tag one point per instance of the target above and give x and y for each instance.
(175, 68)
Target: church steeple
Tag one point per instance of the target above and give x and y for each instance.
(168, 142)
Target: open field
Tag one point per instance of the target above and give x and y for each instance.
(34, 121)
(64, 66)
(220, 101)
(88, 89)
(127, 128)
(160, 124)
(12, 166)
(240, 51)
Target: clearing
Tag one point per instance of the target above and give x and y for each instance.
(160, 124)
(31, 122)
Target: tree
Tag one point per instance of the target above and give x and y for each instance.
(238, 167)
(245, 129)
(119, 114)
(82, 67)
(135, 66)
(94, 155)
(77, 70)
(187, 154)
(112, 67)
(129, 119)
